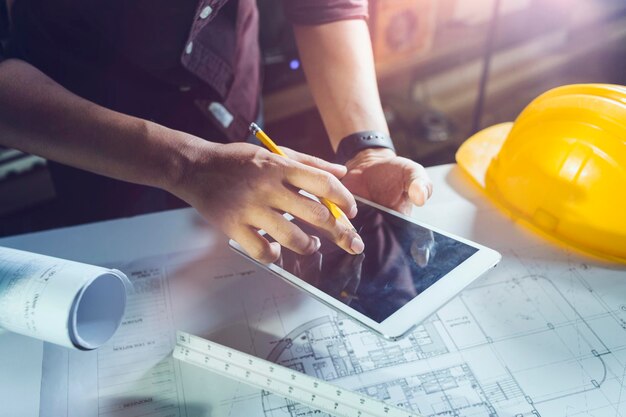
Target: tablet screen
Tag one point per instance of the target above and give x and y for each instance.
(401, 260)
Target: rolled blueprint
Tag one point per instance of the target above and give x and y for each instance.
(59, 301)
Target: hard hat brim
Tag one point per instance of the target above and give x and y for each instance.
(476, 153)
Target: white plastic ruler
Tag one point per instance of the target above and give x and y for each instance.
(280, 380)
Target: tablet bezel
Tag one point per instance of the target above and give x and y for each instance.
(419, 308)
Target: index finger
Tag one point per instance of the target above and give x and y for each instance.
(321, 184)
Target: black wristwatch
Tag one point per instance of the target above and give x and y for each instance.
(356, 142)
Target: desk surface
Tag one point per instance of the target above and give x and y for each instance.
(543, 334)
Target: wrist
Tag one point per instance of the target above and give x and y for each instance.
(350, 146)
(369, 154)
(183, 155)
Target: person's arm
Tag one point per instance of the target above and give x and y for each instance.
(39, 116)
(339, 66)
(337, 59)
(238, 187)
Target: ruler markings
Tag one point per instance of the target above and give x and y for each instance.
(280, 380)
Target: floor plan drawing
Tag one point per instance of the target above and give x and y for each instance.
(534, 338)
(531, 340)
(543, 334)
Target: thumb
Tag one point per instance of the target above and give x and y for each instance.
(417, 184)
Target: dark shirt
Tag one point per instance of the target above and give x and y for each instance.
(187, 64)
(209, 47)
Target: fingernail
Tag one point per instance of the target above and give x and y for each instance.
(316, 242)
(357, 246)
(425, 192)
(353, 211)
(426, 188)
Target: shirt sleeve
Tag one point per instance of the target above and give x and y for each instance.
(315, 12)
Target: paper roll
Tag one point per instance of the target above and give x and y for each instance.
(64, 302)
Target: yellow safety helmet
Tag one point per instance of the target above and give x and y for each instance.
(561, 166)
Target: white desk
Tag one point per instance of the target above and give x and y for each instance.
(544, 334)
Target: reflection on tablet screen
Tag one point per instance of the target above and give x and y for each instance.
(401, 259)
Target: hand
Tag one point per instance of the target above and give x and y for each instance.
(242, 188)
(381, 176)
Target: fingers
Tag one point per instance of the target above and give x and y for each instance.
(417, 183)
(335, 169)
(318, 216)
(288, 234)
(321, 184)
(269, 184)
(256, 245)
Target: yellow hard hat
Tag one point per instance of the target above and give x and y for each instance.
(561, 166)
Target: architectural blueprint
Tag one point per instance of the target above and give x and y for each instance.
(544, 334)
(541, 335)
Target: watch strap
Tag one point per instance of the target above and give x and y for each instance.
(356, 142)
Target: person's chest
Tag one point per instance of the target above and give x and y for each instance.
(150, 33)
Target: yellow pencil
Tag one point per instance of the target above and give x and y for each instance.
(269, 144)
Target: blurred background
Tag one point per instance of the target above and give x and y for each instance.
(446, 68)
(449, 67)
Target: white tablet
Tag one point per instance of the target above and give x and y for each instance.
(407, 271)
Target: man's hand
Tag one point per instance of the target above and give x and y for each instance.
(242, 188)
(383, 177)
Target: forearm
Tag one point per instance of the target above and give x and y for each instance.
(339, 66)
(40, 117)
(239, 187)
